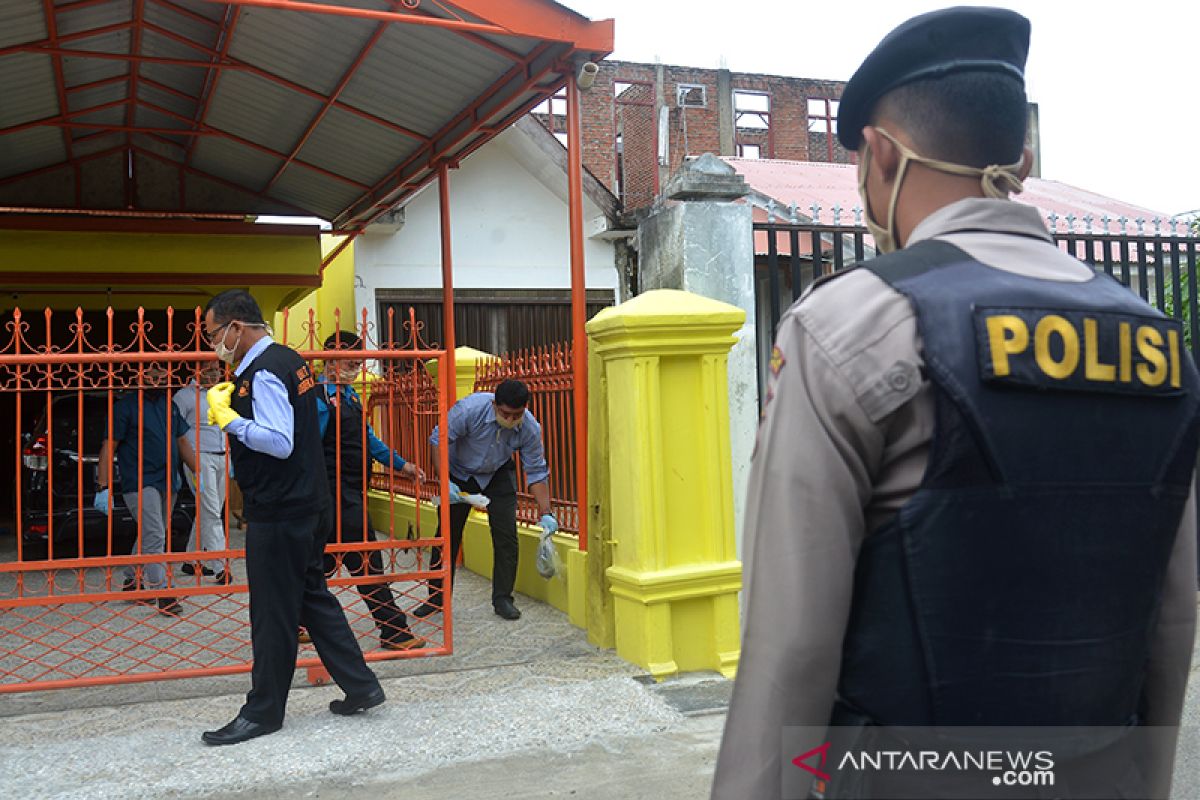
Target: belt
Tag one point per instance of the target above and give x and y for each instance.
(212, 452)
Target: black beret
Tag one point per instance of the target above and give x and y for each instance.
(962, 39)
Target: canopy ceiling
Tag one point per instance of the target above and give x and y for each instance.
(251, 107)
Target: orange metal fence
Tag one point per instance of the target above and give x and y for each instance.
(404, 412)
(86, 595)
(548, 373)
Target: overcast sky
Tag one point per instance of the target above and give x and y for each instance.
(1118, 85)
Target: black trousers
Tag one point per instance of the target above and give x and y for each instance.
(502, 519)
(378, 597)
(285, 568)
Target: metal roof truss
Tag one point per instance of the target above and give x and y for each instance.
(338, 111)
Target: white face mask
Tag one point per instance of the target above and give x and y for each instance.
(508, 424)
(998, 181)
(226, 353)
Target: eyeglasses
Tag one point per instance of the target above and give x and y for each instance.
(211, 337)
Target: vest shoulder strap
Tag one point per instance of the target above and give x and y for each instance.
(831, 277)
(903, 264)
(914, 261)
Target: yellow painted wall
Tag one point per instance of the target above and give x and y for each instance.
(166, 259)
(318, 314)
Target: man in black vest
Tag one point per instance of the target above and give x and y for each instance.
(348, 440)
(970, 503)
(269, 413)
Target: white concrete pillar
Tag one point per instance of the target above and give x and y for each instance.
(701, 241)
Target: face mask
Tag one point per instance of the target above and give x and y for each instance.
(226, 353)
(507, 423)
(997, 181)
(884, 241)
(344, 373)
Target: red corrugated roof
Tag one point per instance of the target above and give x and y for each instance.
(805, 183)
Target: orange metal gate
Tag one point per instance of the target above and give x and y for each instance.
(75, 609)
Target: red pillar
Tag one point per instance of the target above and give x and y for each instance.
(447, 282)
(579, 350)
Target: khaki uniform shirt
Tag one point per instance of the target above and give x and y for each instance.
(843, 445)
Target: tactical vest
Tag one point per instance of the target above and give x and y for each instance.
(290, 488)
(1021, 584)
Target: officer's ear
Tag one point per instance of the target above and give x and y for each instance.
(885, 157)
(1026, 163)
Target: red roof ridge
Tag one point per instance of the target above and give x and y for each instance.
(796, 162)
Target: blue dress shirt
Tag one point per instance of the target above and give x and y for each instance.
(272, 430)
(375, 446)
(156, 459)
(479, 446)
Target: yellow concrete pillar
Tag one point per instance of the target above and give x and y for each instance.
(599, 618)
(674, 577)
(465, 359)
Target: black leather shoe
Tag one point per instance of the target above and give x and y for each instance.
(170, 607)
(240, 730)
(131, 585)
(189, 568)
(353, 705)
(505, 608)
(426, 609)
(400, 641)
(223, 577)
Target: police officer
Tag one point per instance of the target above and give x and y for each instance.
(269, 414)
(343, 431)
(970, 501)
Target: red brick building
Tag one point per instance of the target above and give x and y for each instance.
(640, 121)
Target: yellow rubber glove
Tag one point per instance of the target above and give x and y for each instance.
(219, 411)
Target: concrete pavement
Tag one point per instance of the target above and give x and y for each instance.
(524, 710)
(527, 709)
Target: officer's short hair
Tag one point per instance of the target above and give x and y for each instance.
(970, 118)
(512, 394)
(344, 340)
(235, 305)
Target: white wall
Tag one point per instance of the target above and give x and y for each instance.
(508, 228)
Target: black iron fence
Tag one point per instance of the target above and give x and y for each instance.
(1161, 268)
